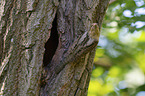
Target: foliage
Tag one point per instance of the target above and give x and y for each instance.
(119, 63)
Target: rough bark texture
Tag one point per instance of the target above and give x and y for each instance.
(45, 46)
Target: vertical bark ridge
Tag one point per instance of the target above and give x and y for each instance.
(4, 43)
(24, 31)
(5, 19)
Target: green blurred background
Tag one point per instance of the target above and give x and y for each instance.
(119, 63)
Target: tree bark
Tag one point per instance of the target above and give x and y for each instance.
(47, 46)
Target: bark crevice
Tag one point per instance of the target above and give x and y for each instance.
(52, 44)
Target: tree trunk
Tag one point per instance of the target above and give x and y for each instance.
(47, 46)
